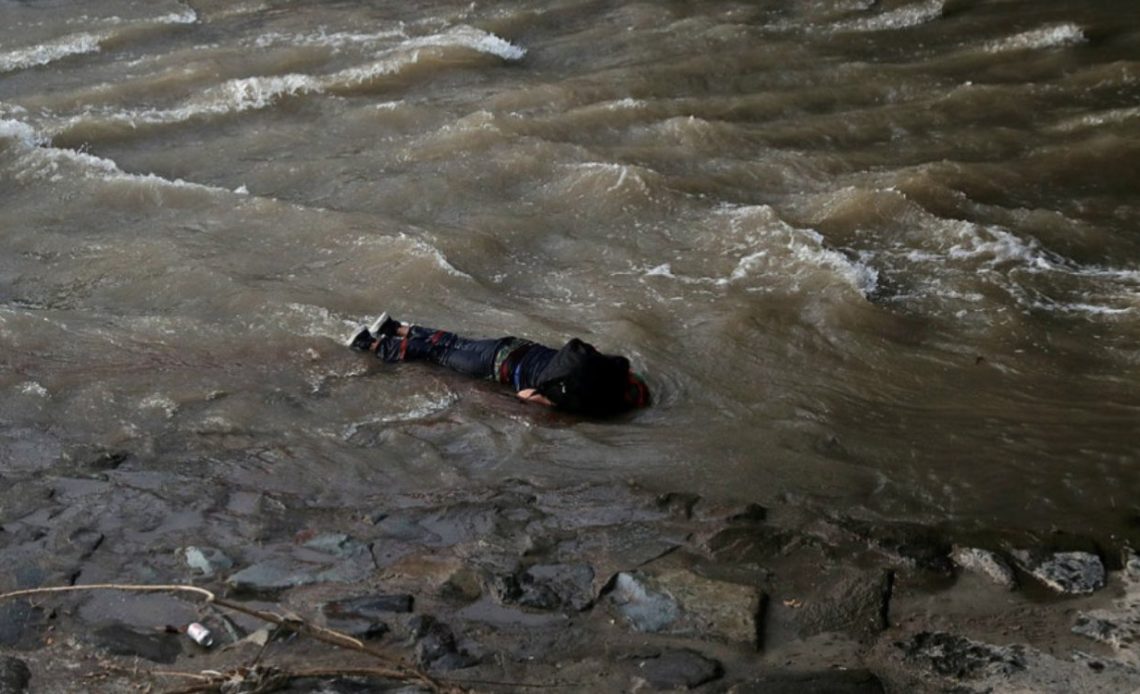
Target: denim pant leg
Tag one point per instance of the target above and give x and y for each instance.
(466, 356)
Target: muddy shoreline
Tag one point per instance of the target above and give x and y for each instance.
(517, 586)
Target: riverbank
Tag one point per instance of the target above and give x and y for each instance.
(518, 586)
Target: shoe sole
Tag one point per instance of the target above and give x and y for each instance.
(374, 328)
(352, 338)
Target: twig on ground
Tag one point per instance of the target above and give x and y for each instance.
(396, 669)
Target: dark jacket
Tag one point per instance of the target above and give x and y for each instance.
(581, 379)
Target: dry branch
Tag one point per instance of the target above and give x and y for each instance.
(395, 669)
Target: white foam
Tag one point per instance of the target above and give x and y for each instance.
(434, 253)
(33, 388)
(901, 18)
(997, 246)
(1079, 307)
(475, 39)
(232, 96)
(159, 402)
(23, 133)
(419, 407)
(1046, 37)
(362, 74)
(187, 16)
(335, 40)
(38, 160)
(1093, 120)
(44, 53)
(258, 92)
(804, 248)
(626, 103)
(253, 93)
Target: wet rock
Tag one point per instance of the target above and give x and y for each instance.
(730, 512)
(21, 625)
(962, 658)
(268, 578)
(106, 460)
(119, 639)
(336, 544)
(14, 675)
(549, 587)
(436, 647)
(844, 600)
(363, 629)
(682, 603)
(611, 549)
(369, 606)
(985, 563)
(206, 560)
(678, 503)
(1115, 630)
(463, 585)
(275, 575)
(679, 669)
(908, 545)
(403, 526)
(644, 607)
(85, 541)
(749, 513)
(1119, 625)
(830, 681)
(755, 544)
(1071, 573)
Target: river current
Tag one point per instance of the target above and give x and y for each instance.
(880, 255)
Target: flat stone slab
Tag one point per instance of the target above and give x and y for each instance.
(275, 575)
(678, 669)
(683, 603)
(853, 602)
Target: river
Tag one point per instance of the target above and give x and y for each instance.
(882, 256)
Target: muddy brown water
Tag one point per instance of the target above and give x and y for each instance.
(882, 255)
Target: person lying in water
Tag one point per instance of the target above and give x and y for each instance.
(576, 378)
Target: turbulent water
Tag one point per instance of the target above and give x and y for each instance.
(884, 255)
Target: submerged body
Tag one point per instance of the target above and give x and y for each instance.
(576, 378)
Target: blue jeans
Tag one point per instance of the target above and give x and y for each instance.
(467, 356)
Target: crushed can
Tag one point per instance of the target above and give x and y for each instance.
(200, 634)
